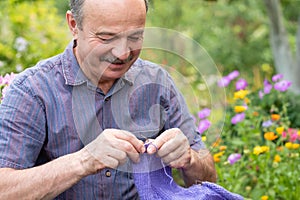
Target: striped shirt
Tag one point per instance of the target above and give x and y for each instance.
(52, 109)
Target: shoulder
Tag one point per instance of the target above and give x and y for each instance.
(40, 71)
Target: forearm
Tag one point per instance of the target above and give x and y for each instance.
(42, 182)
(201, 168)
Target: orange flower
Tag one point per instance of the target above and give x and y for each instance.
(270, 136)
(223, 148)
(255, 114)
(277, 158)
(275, 117)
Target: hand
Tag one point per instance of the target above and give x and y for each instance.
(111, 149)
(173, 147)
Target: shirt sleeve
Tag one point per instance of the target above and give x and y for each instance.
(180, 117)
(22, 127)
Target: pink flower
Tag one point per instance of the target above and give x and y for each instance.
(233, 158)
(204, 113)
(238, 118)
(224, 82)
(261, 94)
(234, 74)
(267, 87)
(282, 86)
(203, 125)
(277, 77)
(241, 84)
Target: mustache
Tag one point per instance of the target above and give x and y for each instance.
(115, 60)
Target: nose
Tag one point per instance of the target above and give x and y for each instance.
(121, 49)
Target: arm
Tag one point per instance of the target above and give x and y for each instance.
(110, 149)
(201, 168)
(42, 182)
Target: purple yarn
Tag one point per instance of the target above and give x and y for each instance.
(155, 183)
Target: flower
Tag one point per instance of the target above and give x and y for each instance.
(239, 109)
(277, 158)
(282, 86)
(223, 148)
(261, 94)
(234, 74)
(224, 82)
(203, 125)
(267, 87)
(275, 117)
(241, 84)
(264, 197)
(267, 124)
(270, 136)
(21, 44)
(289, 145)
(233, 158)
(280, 129)
(260, 149)
(277, 77)
(241, 94)
(204, 113)
(238, 118)
(217, 156)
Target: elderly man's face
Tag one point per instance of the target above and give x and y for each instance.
(111, 38)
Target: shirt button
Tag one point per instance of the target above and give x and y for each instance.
(108, 173)
(107, 99)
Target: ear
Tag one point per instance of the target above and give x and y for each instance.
(72, 24)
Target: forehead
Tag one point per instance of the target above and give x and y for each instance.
(114, 13)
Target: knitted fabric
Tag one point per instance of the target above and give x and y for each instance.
(154, 182)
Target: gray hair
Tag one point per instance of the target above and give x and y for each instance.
(76, 7)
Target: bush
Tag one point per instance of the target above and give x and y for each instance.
(257, 154)
(30, 31)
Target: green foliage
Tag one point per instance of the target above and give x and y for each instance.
(30, 31)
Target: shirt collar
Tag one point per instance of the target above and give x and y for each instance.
(74, 76)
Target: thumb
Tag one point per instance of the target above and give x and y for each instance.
(167, 135)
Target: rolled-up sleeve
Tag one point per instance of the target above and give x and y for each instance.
(22, 127)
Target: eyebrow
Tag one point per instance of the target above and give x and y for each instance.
(114, 34)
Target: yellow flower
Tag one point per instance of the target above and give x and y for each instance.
(289, 145)
(275, 117)
(264, 197)
(260, 149)
(280, 129)
(295, 146)
(299, 133)
(277, 158)
(203, 138)
(270, 136)
(241, 94)
(217, 156)
(239, 109)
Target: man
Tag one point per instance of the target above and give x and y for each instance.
(69, 124)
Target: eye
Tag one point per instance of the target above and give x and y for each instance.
(106, 40)
(135, 38)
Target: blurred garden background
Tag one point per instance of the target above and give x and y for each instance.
(255, 45)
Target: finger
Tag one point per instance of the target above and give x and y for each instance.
(162, 139)
(137, 144)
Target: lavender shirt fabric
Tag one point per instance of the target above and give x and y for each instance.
(52, 109)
